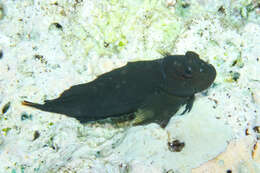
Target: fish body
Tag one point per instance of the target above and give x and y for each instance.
(157, 88)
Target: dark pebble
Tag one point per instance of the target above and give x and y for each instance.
(36, 135)
(185, 5)
(256, 129)
(222, 10)
(236, 76)
(176, 146)
(40, 58)
(1, 54)
(59, 26)
(6, 107)
(56, 25)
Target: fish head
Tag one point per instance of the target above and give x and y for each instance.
(187, 74)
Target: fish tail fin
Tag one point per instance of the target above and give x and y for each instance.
(34, 105)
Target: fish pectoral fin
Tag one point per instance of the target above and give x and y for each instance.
(142, 115)
(189, 104)
(160, 108)
(149, 116)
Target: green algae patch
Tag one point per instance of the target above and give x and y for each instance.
(5, 130)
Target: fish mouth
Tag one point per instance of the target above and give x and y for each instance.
(213, 72)
(211, 78)
(208, 80)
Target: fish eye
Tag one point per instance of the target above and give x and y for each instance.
(187, 73)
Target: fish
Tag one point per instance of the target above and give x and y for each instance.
(154, 90)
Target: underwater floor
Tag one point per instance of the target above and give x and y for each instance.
(48, 46)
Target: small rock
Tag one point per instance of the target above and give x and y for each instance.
(1, 54)
(55, 26)
(222, 10)
(36, 135)
(6, 107)
(25, 116)
(257, 129)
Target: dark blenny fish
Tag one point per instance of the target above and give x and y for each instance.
(154, 89)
